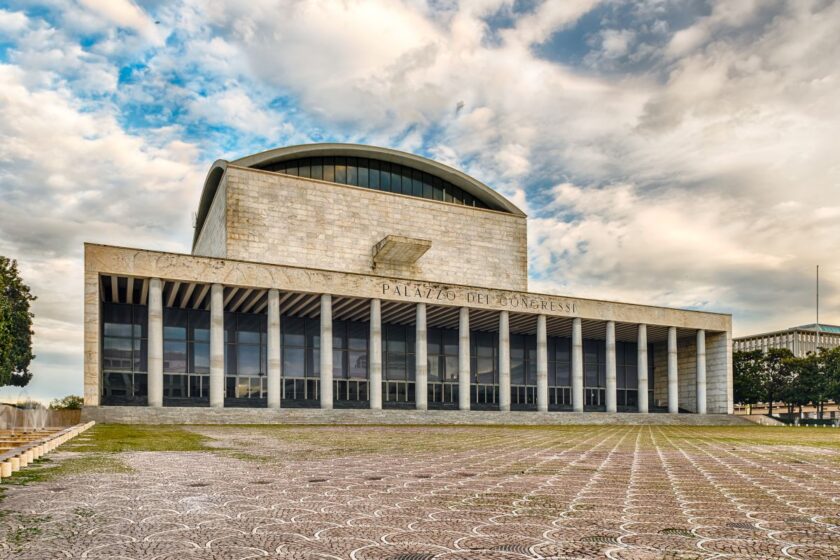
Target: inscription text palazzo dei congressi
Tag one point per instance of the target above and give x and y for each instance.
(451, 297)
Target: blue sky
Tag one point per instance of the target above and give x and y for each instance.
(679, 153)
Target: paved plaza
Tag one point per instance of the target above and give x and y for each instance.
(418, 493)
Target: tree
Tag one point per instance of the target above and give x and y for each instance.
(747, 377)
(776, 373)
(15, 326)
(70, 402)
(831, 370)
(798, 391)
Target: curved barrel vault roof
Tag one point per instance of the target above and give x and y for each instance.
(477, 189)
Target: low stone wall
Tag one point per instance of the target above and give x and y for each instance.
(761, 419)
(193, 415)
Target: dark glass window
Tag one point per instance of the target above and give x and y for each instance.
(594, 363)
(559, 362)
(124, 351)
(245, 347)
(329, 169)
(364, 175)
(317, 168)
(523, 359)
(399, 352)
(350, 343)
(442, 353)
(186, 341)
(484, 358)
(301, 346)
(341, 170)
(352, 171)
(385, 176)
(626, 365)
(374, 174)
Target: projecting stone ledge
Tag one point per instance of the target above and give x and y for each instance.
(396, 249)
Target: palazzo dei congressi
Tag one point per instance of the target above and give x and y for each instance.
(348, 276)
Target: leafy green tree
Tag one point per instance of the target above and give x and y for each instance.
(831, 371)
(798, 391)
(15, 326)
(70, 402)
(777, 372)
(819, 384)
(747, 368)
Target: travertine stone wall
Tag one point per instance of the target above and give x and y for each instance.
(686, 373)
(91, 338)
(212, 242)
(719, 392)
(660, 374)
(280, 219)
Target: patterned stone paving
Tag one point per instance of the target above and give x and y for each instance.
(400, 493)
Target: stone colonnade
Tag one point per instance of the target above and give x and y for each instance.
(155, 359)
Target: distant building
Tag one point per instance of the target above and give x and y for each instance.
(799, 340)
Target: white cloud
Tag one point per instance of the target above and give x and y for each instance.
(12, 22)
(124, 13)
(68, 175)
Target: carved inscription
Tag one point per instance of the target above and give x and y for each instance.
(513, 301)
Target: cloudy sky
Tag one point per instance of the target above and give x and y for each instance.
(669, 152)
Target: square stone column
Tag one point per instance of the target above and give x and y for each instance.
(274, 379)
(701, 371)
(611, 373)
(542, 364)
(326, 352)
(642, 369)
(217, 346)
(673, 380)
(504, 361)
(375, 354)
(421, 360)
(577, 365)
(464, 358)
(155, 357)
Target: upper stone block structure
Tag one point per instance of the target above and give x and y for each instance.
(249, 213)
(335, 275)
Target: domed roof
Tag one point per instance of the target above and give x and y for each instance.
(279, 159)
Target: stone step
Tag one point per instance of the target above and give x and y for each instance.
(204, 415)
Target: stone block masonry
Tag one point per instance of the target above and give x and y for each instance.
(281, 219)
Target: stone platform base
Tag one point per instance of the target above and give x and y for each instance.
(193, 415)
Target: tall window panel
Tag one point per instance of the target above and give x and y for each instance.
(442, 352)
(124, 353)
(245, 355)
(484, 366)
(559, 371)
(594, 372)
(350, 360)
(301, 359)
(523, 369)
(186, 354)
(398, 369)
(627, 377)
